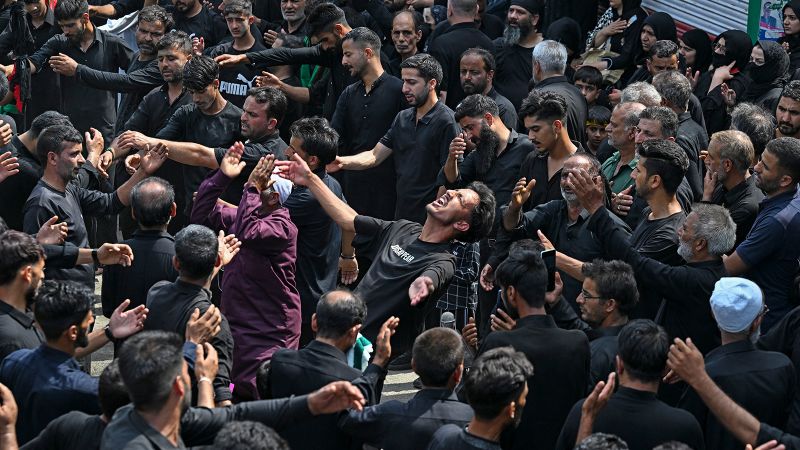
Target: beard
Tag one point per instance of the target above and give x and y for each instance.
(486, 149)
(82, 340)
(420, 99)
(512, 35)
(472, 88)
(787, 129)
(76, 38)
(517, 415)
(755, 334)
(767, 186)
(146, 48)
(569, 196)
(685, 250)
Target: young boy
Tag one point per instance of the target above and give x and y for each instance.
(590, 81)
(596, 123)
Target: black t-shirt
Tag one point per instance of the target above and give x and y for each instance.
(206, 24)
(453, 437)
(658, 239)
(398, 258)
(17, 330)
(74, 430)
(235, 81)
(189, 124)
(513, 72)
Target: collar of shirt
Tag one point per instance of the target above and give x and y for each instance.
(438, 108)
(635, 394)
(739, 190)
(460, 26)
(684, 116)
(536, 321)
(56, 355)
(784, 197)
(99, 38)
(184, 286)
(733, 347)
(596, 333)
(152, 234)
(552, 80)
(24, 319)
(436, 394)
(617, 156)
(327, 349)
(158, 440)
(375, 83)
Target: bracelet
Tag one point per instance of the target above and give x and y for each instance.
(341, 255)
(109, 334)
(202, 379)
(113, 153)
(94, 257)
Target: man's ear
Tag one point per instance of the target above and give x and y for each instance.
(251, 20)
(339, 30)
(558, 125)
(216, 83)
(85, 17)
(176, 264)
(461, 225)
(173, 210)
(314, 325)
(488, 118)
(178, 387)
(72, 333)
(611, 305)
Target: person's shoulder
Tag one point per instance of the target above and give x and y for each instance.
(445, 435)
(231, 109)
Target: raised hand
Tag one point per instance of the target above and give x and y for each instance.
(487, 278)
(728, 94)
(127, 323)
(552, 297)
(334, 166)
(502, 321)
(134, 139)
(106, 158)
(589, 189)
(52, 233)
(228, 247)
(153, 159)
(545, 242)
(63, 65)
(383, 344)
(201, 328)
(94, 141)
(8, 166)
(232, 164)
(206, 362)
(686, 361)
(599, 397)
(522, 192)
(270, 36)
(111, 254)
(470, 333)
(621, 203)
(296, 170)
(132, 163)
(230, 60)
(693, 77)
(198, 45)
(8, 410)
(457, 148)
(420, 289)
(268, 79)
(6, 134)
(261, 176)
(709, 184)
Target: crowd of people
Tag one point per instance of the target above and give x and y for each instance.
(577, 226)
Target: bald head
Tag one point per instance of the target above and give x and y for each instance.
(153, 202)
(337, 312)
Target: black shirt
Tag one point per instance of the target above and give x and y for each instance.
(319, 241)
(253, 151)
(639, 419)
(171, 305)
(394, 425)
(189, 124)
(508, 114)
(658, 238)
(108, 53)
(15, 190)
(577, 109)
(693, 139)
(154, 111)
(742, 202)
(419, 149)
(206, 24)
(514, 71)
(17, 330)
(784, 337)
(761, 382)
(362, 119)
(398, 257)
(453, 437)
(153, 251)
(235, 81)
(71, 206)
(534, 167)
(561, 367)
(447, 49)
(74, 430)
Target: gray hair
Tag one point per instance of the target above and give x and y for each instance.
(715, 225)
(756, 122)
(665, 116)
(674, 88)
(736, 147)
(551, 56)
(641, 92)
(631, 111)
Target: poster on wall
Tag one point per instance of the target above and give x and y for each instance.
(770, 21)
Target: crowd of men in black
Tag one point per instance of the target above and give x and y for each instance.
(607, 211)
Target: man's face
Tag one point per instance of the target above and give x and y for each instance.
(453, 206)
(328, 40)
(73, 29)
(618, 135)
(520, 24)
(648, 129)
(170, 64)
(572, 165)
(354, 58)
(713, 161)
(597, 134)
(592, 306)
(472, 127)
(37, 277)
(238, 24)
(648, 37)
(183, 6)
(768, 174)
(36, 10)
(590, 92)
(541, 132)
(147, 36)
(474, 77)
(520, 406)
(205, 97)
(640, 178)
(293, 10)
(296, 146)
(69, 162)
(788, 115)
(415, 89)
(686, 238)
(657, 65)
(404, 36)
(254, 121)
(82, 340)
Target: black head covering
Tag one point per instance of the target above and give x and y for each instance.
(792, 39)
(698, 40)
(629, 9)
(773, 74)
(663, 26)
(568, 32)
(737, 48)
(532, 6)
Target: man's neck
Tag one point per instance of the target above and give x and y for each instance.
(54, 181)
(455, 20)
(734, 178)
(88, 35)
(162, 228)
(174, 90)
(503, 135)
(204, 283)
(13, 296)
(489, 430)
(216, 107)
(434, 233)
(729, 338)
(245, 42)
(781, 191)
(613, 320)
(293, 25)
(404, 56)
(627, 153)
(338, 343)
(194, 11)
(146, 56)
(574, 211)
(372, 73)
(167, 421)
(546, 76)
(662, 206)
(28, 142)
(62, 345)
(563, 148)
(530, 40)
(427, 106)
(627, 382)
(524, 310)
(779, 134)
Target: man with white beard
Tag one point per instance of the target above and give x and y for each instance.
(513, 50)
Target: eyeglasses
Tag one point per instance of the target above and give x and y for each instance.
(588, 296)
(764, 310)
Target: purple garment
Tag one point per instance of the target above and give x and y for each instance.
(259, 295)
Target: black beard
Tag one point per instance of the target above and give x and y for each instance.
(486, 150)
(82, 341)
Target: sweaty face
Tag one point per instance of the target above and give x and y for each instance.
(589, 91)
(293, 10)
(415, 89)
(541, 132)
(254, 121)
(648, 129)
(768, 174)
(591, 305)
(69, 162)
(648, 37)
(354, 58)
(147, 36)
(474, 77)
(788, 115)
(657, 65)
(170, 64)
(453, 206)
(572, 165)
(238, 24)
(404, 37)
(73, 29)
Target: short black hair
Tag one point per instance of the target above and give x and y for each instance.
(60, 305)
(47, 119)
(247, 435)
(643, 349)
(17, 250)
(663, 49)
(589, 75)
(544, 105)
(53, 138)
(665, 159)
(792, 90)
(111, 390)
(275, 101)
(787, 151)
(416, 18)
(602, 441)
(238, 7)
(336, 317)
(496, 378)
(196, 249)
(149, 362)
(663, 115)
(614, 279)
(476, 105)
(323, 17)
(177, 40)
(756, 122)
(151, 201)
(155, 13)
(364, 38)
(599, 114)
(482, 217)
(525, 270)
(199, 72)
(437, 353)
(70, 9)
(674, 88)
(672, 445)
(489, 64)
(427, 66)
(319, 138)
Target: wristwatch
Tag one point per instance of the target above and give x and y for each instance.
(95, 258)
(109, 334)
